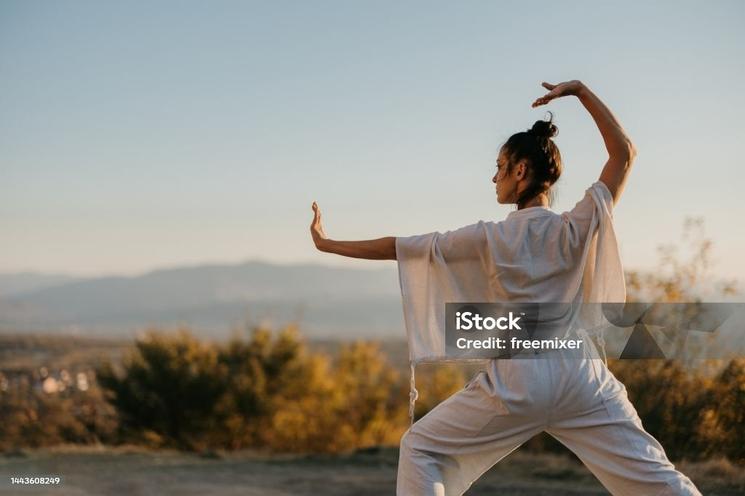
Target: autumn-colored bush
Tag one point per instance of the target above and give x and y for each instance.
(693, 413)
(268, 391)
(344, 404)
(169, 390)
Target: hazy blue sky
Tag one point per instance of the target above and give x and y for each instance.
(140, 135)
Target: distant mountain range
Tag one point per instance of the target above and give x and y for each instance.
(211, 299)
(24, 282)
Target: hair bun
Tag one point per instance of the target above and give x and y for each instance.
(545, 129)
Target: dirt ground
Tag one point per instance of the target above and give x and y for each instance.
(131, 471)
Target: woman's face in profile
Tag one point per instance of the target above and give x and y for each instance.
(504, 182)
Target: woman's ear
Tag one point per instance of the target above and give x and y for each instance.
(521, 169)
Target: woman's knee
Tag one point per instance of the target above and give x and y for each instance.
(408, 441)
(414, 445)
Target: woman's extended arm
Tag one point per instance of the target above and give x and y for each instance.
(371, 249)
(621, 151)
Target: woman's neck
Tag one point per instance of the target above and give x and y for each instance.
(538, 201)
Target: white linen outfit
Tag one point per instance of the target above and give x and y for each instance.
(534, 256)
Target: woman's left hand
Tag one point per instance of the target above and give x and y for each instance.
(567, 88)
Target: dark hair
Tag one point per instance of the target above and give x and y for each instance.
(542, 154)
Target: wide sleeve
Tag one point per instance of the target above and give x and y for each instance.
(589, 228)
(434, 269)
(594, 208)
(589, 231)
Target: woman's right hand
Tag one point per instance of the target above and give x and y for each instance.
(316, 229)
(567, 88)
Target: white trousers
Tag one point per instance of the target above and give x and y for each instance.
(573, 397)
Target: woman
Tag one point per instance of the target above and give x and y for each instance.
(534, 255)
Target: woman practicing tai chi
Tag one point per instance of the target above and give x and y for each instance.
(533, 256)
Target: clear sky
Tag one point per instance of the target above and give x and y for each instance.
(137, 135)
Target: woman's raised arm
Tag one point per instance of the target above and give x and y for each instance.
(370, 249)
(621, 151)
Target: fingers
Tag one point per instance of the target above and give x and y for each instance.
(316, 230)
(541, 101)
(548, 96)
(545, 98)
(316, 216)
